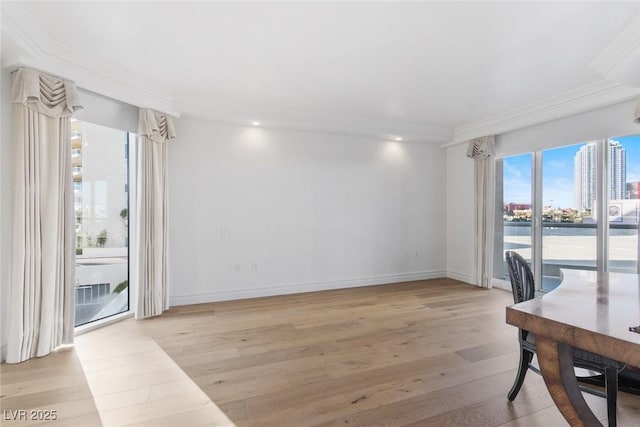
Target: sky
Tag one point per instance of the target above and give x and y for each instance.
(557, 173)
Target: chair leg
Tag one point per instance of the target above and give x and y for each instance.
(611, 388)
(525, 359)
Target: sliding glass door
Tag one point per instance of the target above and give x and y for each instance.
(572, 207)
(624, 205)
(101, 194)
(569, 220)
(513, 228)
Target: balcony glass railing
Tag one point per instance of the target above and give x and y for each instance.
(571, 246)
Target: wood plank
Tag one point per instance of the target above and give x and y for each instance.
(54, 383)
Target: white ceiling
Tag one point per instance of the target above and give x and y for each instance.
(415, 69)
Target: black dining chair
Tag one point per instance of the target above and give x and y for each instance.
(523, 288)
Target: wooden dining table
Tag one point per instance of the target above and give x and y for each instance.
(597, 312)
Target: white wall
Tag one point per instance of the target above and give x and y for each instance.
(460, 214)
(256, 211)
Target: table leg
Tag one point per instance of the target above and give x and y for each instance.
(556, 365)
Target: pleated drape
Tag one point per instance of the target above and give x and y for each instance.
(41, 291)
(155, 130)
(482, 151)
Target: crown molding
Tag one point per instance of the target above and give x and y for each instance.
(619, 61)
(595, 95)
(39, 51)
(309, 121)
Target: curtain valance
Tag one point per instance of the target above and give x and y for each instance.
(481, 148)
(45, 94)
(156, 126)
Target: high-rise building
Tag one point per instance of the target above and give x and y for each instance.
(633, 190)
(617, 171)
(585, 172)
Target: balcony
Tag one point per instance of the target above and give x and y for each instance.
(570, 246)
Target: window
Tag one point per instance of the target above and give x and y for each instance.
(573, 207)
(101, 221)
(624, 204)
(569, 197)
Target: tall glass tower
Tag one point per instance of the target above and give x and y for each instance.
(585, 172)
(617, 170)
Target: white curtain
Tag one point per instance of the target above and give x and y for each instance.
(482, 151)
(155, 129)
(41, 292)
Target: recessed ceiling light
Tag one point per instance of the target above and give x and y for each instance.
(255, 123)
(398, 138)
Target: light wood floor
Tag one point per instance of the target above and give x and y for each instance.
(428, 353)
(114, 376)
(55, 383)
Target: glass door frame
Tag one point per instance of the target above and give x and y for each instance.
(133, 223)
(602, 223)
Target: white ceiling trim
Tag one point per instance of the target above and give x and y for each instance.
(620, 60)
(589, 97)
(39, 51)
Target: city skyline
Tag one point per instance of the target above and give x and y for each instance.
(558, 181)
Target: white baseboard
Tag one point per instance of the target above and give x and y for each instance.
(467, 278)
(302, 287)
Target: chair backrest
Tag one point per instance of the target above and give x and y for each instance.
(522, 284)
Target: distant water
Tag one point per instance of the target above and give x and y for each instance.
(525, 230)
